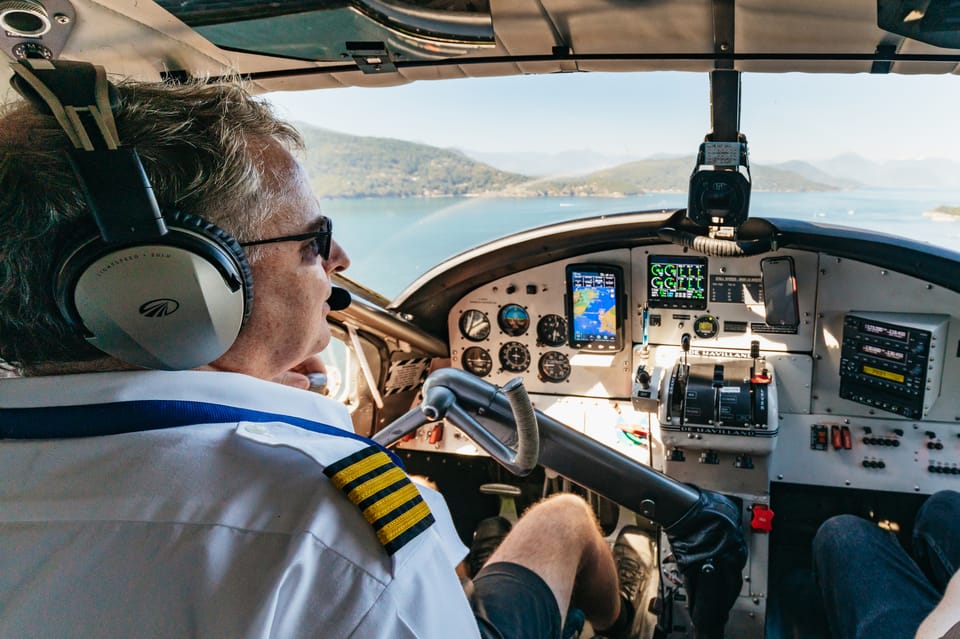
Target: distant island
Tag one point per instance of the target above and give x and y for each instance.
(944, 213)
(349, 166)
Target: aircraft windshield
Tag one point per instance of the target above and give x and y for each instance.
(418, 173)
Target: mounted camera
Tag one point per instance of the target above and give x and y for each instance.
(720, 185)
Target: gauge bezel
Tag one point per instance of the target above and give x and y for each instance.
(712, 320)
(549, 378)
(464, 358)
(513, 331)
(561, 326)
(509, 366)
(463, 330)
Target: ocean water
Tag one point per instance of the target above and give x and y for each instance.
(392, 241)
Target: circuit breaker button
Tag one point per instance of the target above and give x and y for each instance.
(846, 437)
(835, 437)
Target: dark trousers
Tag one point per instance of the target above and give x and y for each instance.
(871, 586)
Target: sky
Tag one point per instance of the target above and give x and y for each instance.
(785, 116)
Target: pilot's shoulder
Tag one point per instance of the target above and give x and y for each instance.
(368, 475)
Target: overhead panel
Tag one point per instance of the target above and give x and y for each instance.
(373, 33)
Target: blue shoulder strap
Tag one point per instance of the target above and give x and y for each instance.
(97, 420)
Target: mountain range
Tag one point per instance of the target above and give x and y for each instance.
(343, 165)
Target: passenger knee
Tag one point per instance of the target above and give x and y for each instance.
(841, 533)
(939, 507)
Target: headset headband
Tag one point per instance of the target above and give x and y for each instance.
(112, 178)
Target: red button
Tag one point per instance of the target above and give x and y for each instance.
(762, 518)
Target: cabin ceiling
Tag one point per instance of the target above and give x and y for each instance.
(142, 39)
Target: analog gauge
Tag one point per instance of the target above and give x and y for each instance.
(475, 325)
(552, 330)
(477, 360)
(706, 326)
(514, 357)
(513, 320)
(554, 366)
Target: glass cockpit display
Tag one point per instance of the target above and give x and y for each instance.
(677, 282)
(593, 299)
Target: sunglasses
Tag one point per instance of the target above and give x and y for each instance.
(321, 238)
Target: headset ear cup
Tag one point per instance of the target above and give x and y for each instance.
(195, 223)
(176, 302)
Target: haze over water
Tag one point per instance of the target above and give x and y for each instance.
(392, 241)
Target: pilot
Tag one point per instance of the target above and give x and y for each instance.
(215, 502)
(872, 587)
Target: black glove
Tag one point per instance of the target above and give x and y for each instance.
(711, 553)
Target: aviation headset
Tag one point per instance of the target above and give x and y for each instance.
(167, 291)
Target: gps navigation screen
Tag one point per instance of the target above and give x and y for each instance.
(592, 294)
(677, 282)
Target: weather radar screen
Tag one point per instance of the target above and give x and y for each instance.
(677, 282)
(593, 307)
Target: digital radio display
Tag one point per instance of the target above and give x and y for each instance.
(889, 332)
(884, 374)
(885, 353)
(677, 282)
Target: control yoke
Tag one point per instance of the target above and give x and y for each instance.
(703, 527)
(445, 391)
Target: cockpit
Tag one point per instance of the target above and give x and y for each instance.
(801, 370)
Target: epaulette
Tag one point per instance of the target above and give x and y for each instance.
(384, 494)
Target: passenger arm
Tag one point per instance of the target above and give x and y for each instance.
(945, 615)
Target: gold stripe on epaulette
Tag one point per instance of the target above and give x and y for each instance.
(362, 467)
(387, 504)
(387, 498)
(375, 485)
(404, 522)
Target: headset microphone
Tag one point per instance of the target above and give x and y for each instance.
(339, 299)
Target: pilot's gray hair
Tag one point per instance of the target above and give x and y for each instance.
(201, 146)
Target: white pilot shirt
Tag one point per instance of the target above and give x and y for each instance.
(226, 527)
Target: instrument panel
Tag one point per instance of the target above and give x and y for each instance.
(563, 327)
(843, 343)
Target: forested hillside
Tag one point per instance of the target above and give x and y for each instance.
(342, 165)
